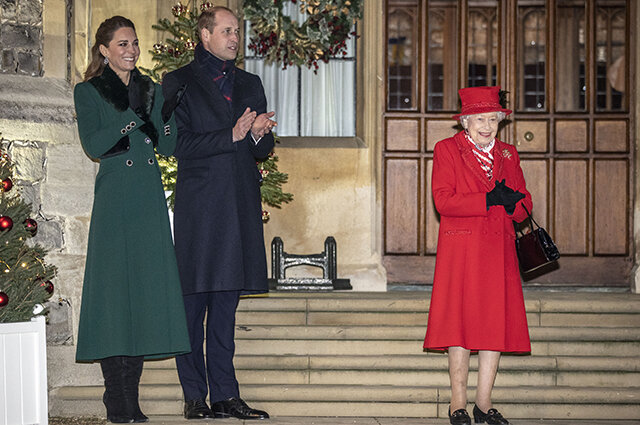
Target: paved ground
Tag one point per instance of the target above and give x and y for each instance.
(175, 420)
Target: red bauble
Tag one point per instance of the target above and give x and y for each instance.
(6, 223)
(31, 225)
(7, 184)
(48, 286)
(4, 299)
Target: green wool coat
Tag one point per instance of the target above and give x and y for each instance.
(131, 300)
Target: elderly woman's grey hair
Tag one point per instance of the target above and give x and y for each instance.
(464, 119)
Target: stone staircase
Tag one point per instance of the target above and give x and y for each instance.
(360, 354)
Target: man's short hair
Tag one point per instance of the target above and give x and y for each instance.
(207, 19)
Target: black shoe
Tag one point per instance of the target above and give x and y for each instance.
(459, 417)
(492, 417)
(237, 408)
(197, 409)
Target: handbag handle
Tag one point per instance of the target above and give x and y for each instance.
(531, 222)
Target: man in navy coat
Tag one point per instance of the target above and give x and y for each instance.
(223, 129)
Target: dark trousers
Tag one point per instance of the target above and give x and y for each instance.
(220, 310)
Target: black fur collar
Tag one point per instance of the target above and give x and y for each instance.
(113, 90)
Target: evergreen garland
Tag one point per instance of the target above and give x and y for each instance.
(24, 276)
(279, 39)
(177, 51)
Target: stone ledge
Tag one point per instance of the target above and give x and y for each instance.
(36, 99)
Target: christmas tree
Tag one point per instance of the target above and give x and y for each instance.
(177, 51)
(24, 276)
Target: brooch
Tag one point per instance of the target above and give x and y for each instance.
(506, 153)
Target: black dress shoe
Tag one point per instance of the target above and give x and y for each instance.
(459, 417)
(197, 409)
(492, 417)
(237, 408)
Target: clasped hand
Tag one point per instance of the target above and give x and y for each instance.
(503, 195)
(258, 124)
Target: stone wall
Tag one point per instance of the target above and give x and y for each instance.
(21, 37)
(38, 130)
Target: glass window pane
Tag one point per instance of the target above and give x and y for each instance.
(442, 56)
(482, 46)
(402, 57)
(611, 67)
(571, 85)
(532, 46)
(327, 100)
(281, 89)
(311, 104)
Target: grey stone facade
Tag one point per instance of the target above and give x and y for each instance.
(52, 172)
(21, 37)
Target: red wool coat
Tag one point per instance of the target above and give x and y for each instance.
(477, 300)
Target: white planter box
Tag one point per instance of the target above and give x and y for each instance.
(23, 373)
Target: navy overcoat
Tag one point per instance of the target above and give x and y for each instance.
(218, 214)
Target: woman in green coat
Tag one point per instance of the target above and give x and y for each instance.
(132, 306)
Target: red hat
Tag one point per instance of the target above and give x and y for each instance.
(478, 100)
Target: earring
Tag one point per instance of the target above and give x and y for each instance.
(105, 61)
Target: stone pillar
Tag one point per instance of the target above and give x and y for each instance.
(635, 82)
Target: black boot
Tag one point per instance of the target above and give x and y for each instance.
(132, 372)
(113, 398)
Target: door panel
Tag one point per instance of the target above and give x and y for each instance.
(402, 208)
(571, 223)
(611, 206)
(531, 136)
(438, 130)
(536, 174)
(611, 136)
(566, 67)
(403, 135)
(571, 136)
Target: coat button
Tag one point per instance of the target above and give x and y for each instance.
(129, 163)
(147, 140)
(123, 130)
(128, 127)
(132, 124)
(150, 161)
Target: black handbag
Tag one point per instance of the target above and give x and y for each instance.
(536, 248)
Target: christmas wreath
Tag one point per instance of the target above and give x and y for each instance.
(324, 34)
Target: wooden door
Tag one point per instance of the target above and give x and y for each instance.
(566, 65)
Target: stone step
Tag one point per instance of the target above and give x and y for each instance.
(420, 319)
(423, 361)
(362, 347)
(553, 302)
(592, 310)
(414, 370)
(360, 354)
(416, 333)
(380, 400)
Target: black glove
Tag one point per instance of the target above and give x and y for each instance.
(171, 104)
(503, 195)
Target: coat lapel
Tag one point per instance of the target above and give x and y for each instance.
(210, 87)
(472, 163)
(239, 86)
(498, 160)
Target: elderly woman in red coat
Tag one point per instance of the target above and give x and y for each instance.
(477, 303)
